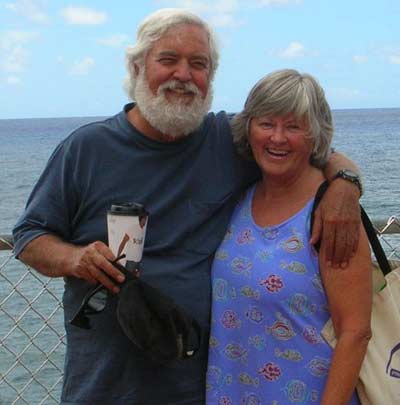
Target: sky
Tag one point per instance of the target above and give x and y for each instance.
(66, 58)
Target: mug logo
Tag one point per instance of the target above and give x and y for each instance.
(124, 241)
(122, 244)
(394, 372)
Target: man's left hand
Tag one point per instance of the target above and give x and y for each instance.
(337, 222)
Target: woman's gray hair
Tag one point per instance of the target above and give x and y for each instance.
(152, 29)
(288, 92)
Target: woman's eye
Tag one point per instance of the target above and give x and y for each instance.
(293, 127)
(266, 125)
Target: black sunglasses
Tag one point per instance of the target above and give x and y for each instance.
(95, 300)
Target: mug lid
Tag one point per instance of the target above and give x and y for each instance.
(127, 208)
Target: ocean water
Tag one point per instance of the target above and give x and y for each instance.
(370, 137)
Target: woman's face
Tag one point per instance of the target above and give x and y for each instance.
(280, 145)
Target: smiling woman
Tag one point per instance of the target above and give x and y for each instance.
(280, 145)
(296, 98)
(276, 281)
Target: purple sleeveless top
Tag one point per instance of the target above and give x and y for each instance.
(268, 309)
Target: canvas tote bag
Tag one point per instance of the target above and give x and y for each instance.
(379, 380)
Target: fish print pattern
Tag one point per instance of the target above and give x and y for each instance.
(230, 320)
(273, 283)
(289, 354)
(257, 341)
(248, 292)
(241, 265)
(281, 329)
(268, 309)
(245, 236)
(264, 255)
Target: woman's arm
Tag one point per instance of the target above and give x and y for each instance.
(349, 295)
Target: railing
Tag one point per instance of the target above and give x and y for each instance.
(32, 336)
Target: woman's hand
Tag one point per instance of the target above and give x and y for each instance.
(337, 222)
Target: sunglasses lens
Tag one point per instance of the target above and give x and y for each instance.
(80, 320)
(92, 304)
(98, 301)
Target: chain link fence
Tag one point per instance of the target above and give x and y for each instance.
(32, 336)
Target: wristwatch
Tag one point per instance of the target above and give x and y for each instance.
(349, 175)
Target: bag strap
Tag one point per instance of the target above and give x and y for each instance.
(369, 228)
(375, 244)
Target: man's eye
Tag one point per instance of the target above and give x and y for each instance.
(200, 64)
(166, 61)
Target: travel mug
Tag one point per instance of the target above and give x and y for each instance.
(126, 224)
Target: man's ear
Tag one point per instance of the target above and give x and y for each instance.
(136, 68)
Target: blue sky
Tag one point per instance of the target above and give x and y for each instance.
(66, 58)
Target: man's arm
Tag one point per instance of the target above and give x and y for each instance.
(337, 218)
(338, 161)
(53, 257)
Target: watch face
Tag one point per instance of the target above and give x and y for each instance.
(350, 174)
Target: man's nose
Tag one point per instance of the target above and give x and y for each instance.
(183, 71)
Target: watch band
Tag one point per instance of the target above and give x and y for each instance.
(350, 176)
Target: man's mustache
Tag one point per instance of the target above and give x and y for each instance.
(178, 85)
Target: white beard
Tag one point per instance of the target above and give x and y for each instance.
(173, 118)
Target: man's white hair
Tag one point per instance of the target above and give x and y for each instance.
(152, 29)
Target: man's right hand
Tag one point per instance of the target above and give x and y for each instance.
(92, 263)
(53, 257)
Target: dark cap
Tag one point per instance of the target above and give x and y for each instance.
(128, 208)
(155, 323)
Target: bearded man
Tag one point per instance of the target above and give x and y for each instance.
(165, 152)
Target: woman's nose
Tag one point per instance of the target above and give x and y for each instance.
(278, 134)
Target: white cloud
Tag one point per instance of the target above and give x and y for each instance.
(345, 93)
(15, 60)
(360, 59)
(82, 67)
(293, 51)
(199, 6)
(391, 54)
(394, 59)
(225, 20)
(31, 9)
(224, 13)
(13, 80)
(83, 16)
(218, 13)
(115, 40)
(9, 39)
(14, 56)
(262, 3)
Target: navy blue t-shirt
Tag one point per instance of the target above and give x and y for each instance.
(190, 187)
